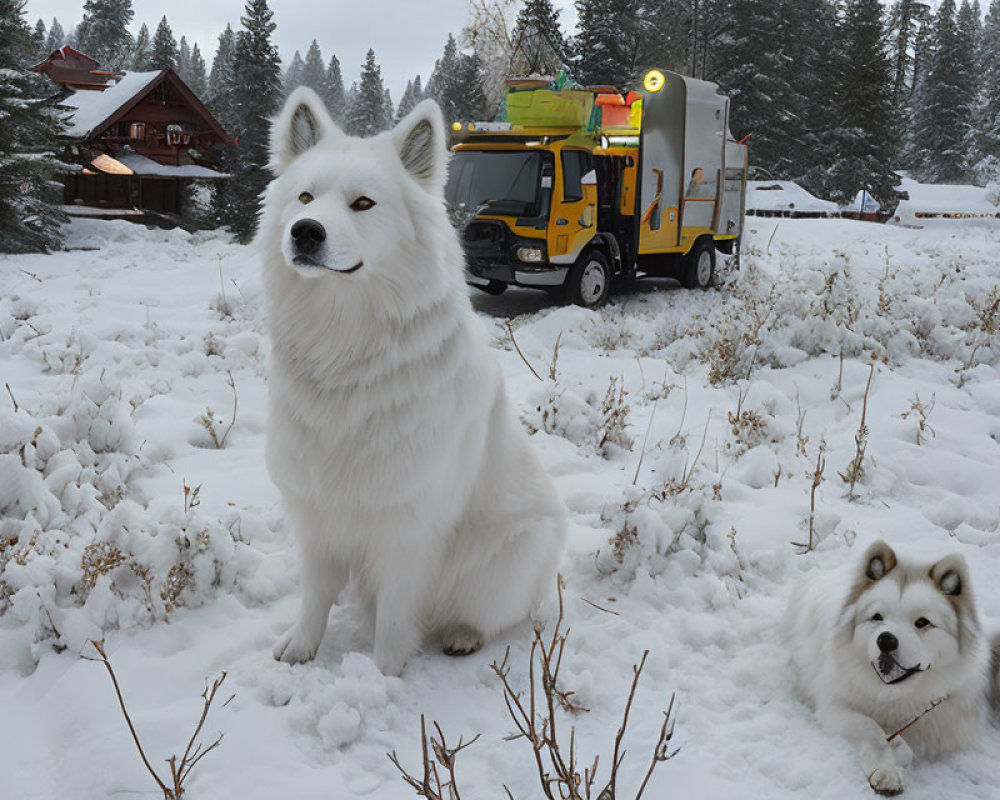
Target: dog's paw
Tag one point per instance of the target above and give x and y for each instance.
(887, 780)
(461, 641)
(294, 647)
(390, 664)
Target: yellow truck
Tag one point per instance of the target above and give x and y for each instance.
(573, 189)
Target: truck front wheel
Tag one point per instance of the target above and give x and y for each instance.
(589, 281)
(699, 265)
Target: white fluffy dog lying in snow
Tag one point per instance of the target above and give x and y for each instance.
(401, 462)
(892, 646)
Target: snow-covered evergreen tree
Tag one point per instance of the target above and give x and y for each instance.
(456, 84)
(366, 112)
(412, 95)
(314, 70)
(255, 93)
(539, 47)
(29, 124)
(103, 32)
(943, 104)
(139, 60)
(611, 45)
(184, 60)
(293, 74)
(988, 112)
(197, 81)
(56, 38)
(334, 95)
(220, 80)
(865, 134)
(39, 37)
(163, 51)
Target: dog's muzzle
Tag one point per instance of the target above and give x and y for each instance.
(307, 237)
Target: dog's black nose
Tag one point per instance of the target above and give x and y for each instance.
(308, 235)
(887, 642)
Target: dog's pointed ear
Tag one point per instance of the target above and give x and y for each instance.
(951, 575)
(878, 561)
(419, 139)
(302, 123)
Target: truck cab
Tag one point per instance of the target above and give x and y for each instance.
(579, 187)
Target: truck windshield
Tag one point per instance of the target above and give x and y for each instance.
(495, 182)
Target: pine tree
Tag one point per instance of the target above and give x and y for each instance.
(313, 70)
(197, 81)
(988, 116)
(411, 96)
(293, 75)
(38, 39)
(220, 80)
(865, 134)
(184, 60)
(334, 96)
(56, 37)
(539, 46)
(139, 60)
(607, 42)
(163, 52)
(29, 124)
(255, 95)
(103, 32)
(366, 113)
(943, 105)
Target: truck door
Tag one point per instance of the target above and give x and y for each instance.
(574, 220)
(661, 162)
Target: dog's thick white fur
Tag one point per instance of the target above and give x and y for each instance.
(400, 459)
(876, 646)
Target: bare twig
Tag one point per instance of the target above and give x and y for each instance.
(430, 785)
(642, 451)
(917, 718)
(510, 331)
(12, 399)
(193, 753)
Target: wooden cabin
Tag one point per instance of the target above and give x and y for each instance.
(138, 138)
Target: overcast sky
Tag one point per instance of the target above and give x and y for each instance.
(407, 35)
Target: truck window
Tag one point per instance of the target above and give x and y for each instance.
(575, 164)
(499, 182)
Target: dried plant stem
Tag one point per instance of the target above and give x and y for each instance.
(642, 451)
(193, 753)
(917, 718)
(510, 332)
(12, 399)
(430, 784)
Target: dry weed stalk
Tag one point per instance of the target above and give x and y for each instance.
(430, 785)
(535, 717)
(856, 468)
(11, 393)
(209, 421)
(615, 412)
(817, 479)
(645, 439)
(923, 411)
(192, 497)
(674, 486)
(193, 753)
(987, 324)
(555, 358)
(748, 427)
(510, 331)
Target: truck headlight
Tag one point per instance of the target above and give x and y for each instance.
(530, 255)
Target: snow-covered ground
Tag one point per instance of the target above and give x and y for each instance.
(124, 355)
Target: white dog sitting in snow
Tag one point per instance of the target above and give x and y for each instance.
(402, 464)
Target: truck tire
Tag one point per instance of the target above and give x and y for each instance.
(589, 281)
(493, 287)
(698, 269)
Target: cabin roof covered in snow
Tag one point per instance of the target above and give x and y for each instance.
(90, 110)
(141, 165)
(785, 196)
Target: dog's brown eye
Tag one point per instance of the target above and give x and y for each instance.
(923, 622)
(362, 203)
(305, 197)
(876, 618)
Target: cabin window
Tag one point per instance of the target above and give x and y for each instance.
(575, 164)
(137, 132)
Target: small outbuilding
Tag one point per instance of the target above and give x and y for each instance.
(924, 201)
(137, 139)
